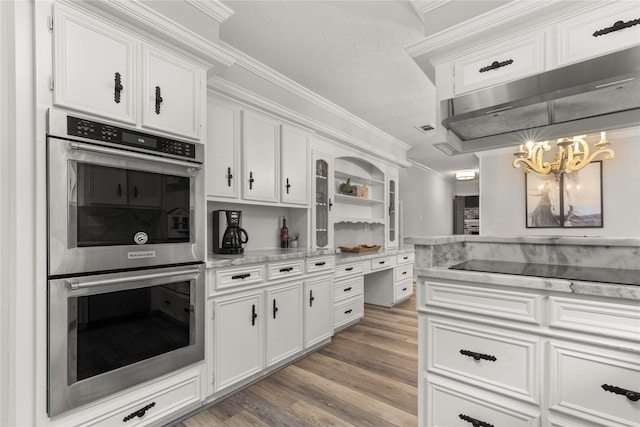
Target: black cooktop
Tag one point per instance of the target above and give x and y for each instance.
(569, 272)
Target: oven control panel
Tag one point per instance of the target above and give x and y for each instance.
(103, 132)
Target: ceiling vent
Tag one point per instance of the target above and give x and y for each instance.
(425, 128)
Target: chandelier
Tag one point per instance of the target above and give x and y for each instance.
(572, 154)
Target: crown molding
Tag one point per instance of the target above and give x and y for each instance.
(236, 93)
(212, 8)
(425, 168)
(256, 67)
(423, 7)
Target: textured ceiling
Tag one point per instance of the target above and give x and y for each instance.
(353, 54)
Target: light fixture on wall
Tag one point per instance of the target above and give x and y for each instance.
(572, 154)
(465, 175)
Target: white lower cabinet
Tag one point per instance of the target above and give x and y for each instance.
(284, 322)
(348, 298)
(318, 309)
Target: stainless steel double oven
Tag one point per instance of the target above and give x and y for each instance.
(126, 249)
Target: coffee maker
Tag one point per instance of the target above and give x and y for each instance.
(228, 234)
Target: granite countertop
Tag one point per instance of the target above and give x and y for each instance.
(345, 257)
(264, 255)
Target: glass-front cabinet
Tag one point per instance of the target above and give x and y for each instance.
(322, 201)
(392, 208)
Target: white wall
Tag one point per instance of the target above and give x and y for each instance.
(427, 202)
(467, 188)
(502, 193)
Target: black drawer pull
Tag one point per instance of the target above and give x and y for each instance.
(320, 264)
(253, 315)
(380, 262)
(240, 276)
(633, 396)
(286, 269)
(478, 356)
(348, 269)
(347, 289)
(348, 311)
(495, 64)
(167, 302)
(404, 289)
(474, 422)
(405, 258)
(620, 25)
(139, 413)
(404, 272)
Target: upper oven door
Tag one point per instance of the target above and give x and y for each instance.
(112, 209)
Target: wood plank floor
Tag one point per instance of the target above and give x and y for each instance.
(367, 376)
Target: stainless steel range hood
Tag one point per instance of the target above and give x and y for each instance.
(591, 96)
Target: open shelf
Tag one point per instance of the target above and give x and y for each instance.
(356, 179)
(342, 198)
(358, 220)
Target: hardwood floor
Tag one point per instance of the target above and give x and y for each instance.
(366, 377)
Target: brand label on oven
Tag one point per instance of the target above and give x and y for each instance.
(140, 237)
(141, 254)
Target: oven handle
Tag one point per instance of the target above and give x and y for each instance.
(78, 284)
(106, 150)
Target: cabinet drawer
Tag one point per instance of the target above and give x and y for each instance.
(519, 306)
(403, 258)
(500, 62)
(349, 311)
(577, 375)
(383, 262)
(349, 269)
(576, 40)
(159, 405)
(507, 364)
(448, 403)
(402, 290)
(403, 272)
(320, 264)
(595, 317)
(239, 276)
(285, 269)
(347, 288)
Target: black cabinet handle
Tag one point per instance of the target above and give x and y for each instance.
(330, 204)
(167, 302)
(478, 356)
(495, 64)
(139, 413)
(474, 422)
(286, 269)
(348, 311)
(253, 315)
(348, 269)
(240, 276)
(404, 289)
(275, 308)
(311, 298)
(320, 264)
(117, 88)
(633, 396)
(251, 180)
(288, 186)
(119, 190)
(404, 272)
(347, 289)
(229, 176)
(135, 191)
(158, 99)
(620, 25)
(380, 262)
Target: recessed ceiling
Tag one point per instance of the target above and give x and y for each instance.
(353, 54)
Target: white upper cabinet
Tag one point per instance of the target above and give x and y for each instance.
(103, 70)
(171, 93)
(223, 149)
(295, 165)
(261, 156)
(94, 66)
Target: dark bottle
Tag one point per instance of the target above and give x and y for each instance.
(284, 234)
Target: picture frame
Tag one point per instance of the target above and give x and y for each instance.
(578, 205)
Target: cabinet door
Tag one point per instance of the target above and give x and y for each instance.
(144, 188)
(392, 210)
(238, 338)
(322, 201)
(171, 93)
(284, 322)
(94, 69)
(260, 153)
(223, 149)
(318, 310)
(295, 172)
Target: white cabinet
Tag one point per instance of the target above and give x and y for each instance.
(101, 69)
(260, 157)
(392, 213)
(294, 166)
(318, 310)
(348, 296)
(94, 66)
(284, 322)
(322, 195)
(223, 149)
(364, 201)
(171, 93)
(239, 338)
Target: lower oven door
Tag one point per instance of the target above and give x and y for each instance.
(112, 331)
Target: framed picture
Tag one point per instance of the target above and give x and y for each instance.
(573, 200)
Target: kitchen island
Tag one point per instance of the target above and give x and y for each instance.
(525, 331)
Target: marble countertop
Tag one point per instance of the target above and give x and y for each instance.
(346, 257)
(264, 255)
(542, 240)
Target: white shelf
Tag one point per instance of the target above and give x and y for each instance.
(354, 220)
(342, 198)
(343, 176)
